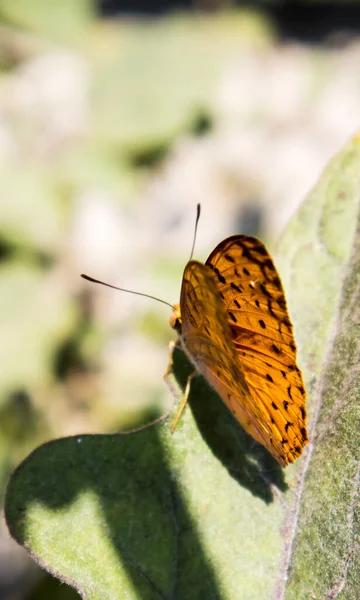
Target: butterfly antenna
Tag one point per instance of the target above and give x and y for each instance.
(198, 211)
(88, 278)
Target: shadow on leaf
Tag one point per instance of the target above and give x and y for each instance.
(247, 461)
(147, 520)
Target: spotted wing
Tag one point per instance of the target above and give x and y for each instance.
(254, 303)
(207, 340)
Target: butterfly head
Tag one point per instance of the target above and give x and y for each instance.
(175, 319)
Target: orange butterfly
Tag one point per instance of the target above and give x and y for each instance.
(234, 327)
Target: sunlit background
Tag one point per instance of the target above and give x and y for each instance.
(116, 119)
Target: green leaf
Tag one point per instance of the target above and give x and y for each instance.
(323, 276)
(171, 67)
(30, 331)
(64, 21)
(206, 512)
(24, 188)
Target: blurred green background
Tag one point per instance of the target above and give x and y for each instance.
(115, 120)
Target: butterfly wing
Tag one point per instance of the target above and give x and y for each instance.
(261, 331)
(207, 340)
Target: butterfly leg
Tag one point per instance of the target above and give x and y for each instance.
(168, 380)
(169, 369)
(184, 400)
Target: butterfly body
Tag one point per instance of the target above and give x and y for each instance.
(234, 327)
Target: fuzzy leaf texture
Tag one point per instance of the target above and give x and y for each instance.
(207, 512)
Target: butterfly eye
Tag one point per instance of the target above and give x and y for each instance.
(175, 322)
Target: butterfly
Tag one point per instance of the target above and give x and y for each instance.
(234, 327)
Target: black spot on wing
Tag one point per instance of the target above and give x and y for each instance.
(303, 434)
(281, 302)
(261, 250)
(285, 321)
(264, 291)
(220, 277)
(276, 282)
(270, 308)
(236, 287)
